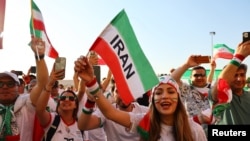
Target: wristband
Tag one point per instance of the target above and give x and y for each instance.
(239, 56)
(88, 107)
(234, 62)
(39, 57)
(93, 87)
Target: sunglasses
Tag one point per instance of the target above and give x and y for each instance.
(9, 84)
(199, 75)
(70, 98)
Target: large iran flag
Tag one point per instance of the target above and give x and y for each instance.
(222, 51)
(118, 47)
(37, 29)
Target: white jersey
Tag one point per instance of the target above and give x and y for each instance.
(24, 113)
(64, 131)
(167, 132)
(117, 132)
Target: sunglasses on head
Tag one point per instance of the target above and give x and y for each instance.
(199, 75)
(9, 84)
(70, 98)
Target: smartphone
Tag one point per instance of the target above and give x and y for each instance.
(203, 59)
(33, 69)
(60, 64)
(97, 72)
(245, 36)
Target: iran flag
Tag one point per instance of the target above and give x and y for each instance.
(37, 29)
(118, 47)
(222, 51)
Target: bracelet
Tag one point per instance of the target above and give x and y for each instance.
(39, 57)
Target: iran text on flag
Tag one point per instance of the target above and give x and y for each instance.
(2, 15)
(37, 27)
(222, 51)
(119, 48)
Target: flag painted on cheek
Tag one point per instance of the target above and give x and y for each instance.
(118, 47)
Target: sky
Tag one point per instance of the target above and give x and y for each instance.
(168, 31)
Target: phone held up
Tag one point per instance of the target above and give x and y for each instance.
(202, 59)
(60, 64)
(245, 36)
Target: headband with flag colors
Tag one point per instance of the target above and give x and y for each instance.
(37, 29)
(2, 15)
(222, 51)
(118, 47)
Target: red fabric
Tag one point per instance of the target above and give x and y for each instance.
(223, 88)
(144, 126)
(196, 119)
(239, 56)
(12, 138)
(101, 61)
(38, 131)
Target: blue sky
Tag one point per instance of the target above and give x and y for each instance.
(168, 31)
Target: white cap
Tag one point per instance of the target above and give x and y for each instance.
(10, 74)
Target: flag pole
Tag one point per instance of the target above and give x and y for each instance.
(37, 54)
(212, 33)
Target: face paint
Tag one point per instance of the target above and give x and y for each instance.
(158, 98)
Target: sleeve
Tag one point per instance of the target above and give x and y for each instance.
(197, 131)
(135, 120)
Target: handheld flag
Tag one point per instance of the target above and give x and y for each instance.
(222, 51)
(2, 15)
(37, 29)
(118, 47)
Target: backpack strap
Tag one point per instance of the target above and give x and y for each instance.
(52, 129)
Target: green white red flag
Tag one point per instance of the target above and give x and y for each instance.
(2, 15)
(222, 51)
(118, 47)
(37, 29)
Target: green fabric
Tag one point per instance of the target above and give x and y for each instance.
(5, 112)
(238, 112)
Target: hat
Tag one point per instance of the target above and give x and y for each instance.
(167, 79)
(10, 74)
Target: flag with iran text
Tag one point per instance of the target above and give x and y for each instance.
(222, 51)
(118, 47)
(37, 29)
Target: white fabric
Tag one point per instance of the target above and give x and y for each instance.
(25, 114)
(65, 132)
(116, 132)
(167, 131)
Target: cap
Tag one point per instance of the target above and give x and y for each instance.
(10, 74)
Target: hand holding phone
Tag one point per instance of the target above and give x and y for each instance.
(60, 64)
(245, 36)
(202, 59)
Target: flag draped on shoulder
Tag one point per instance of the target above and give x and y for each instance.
(118, 47)
(37, 29)
(2, 15)
(222, 51)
